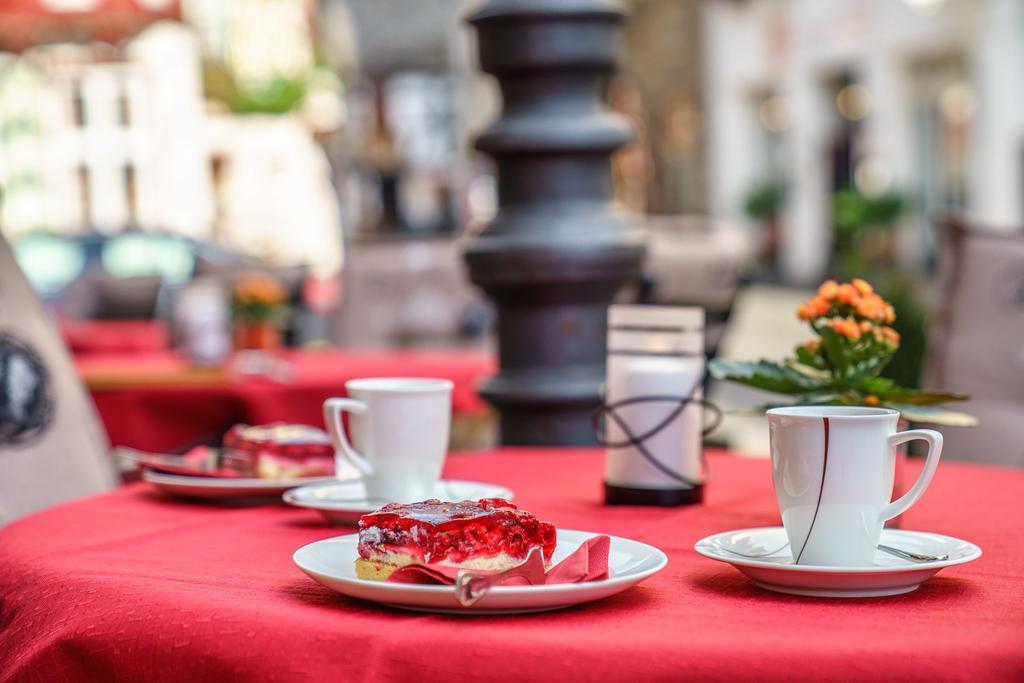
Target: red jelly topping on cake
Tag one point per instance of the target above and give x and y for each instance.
(437, 531)
(281, 450)
(286, 440)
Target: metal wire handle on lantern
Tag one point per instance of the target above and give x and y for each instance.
(608, 410)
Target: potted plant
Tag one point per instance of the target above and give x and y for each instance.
(842, 365)
(258, 309)
(764, 203)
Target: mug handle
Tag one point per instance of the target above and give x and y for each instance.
(333, 408)
(934, 439)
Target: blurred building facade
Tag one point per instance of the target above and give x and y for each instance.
(101, 138)
(919, 97)
(660, 88)
(207, 127)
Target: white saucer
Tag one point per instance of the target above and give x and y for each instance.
(330, 562)
(222, 487)
(344, 502)
(764, 556)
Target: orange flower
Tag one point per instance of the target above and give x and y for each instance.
(812, 346)
(890, 336)
(871, 400)
(846, 294)
(260, 289)
(865, 326)
(862, 286)
(866, 308)
(846, 327)
(872, 306)
(828, 289)
(890, 314)
(816, 307)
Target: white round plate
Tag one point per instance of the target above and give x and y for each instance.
(344, 502)
(222, 488)
(764, 556)
(331, 562)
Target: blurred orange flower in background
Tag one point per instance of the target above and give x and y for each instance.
(258, 288)
(258, 299)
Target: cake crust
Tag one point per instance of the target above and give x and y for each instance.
(371, 570)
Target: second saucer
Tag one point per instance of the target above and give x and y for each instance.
(344, 502)
(764, 556)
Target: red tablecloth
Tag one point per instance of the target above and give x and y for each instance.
(131, 586)
(114, 336)
(164, 417)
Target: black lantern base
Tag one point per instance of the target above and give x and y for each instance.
(625, 495)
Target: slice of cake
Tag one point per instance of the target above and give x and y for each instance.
(489, 534)
(283, 451)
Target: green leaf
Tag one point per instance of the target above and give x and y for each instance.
(835, 351)
(879, 386)
(819, 398)
(922, 397)
(763, 374)
(809, 359)
(940, 416)
(818, 375)
(868, 368)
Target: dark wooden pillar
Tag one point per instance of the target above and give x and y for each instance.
(557, 251)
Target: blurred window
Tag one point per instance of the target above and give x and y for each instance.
(49, 262)
(774, 115)
(943, 102)
(144, 254)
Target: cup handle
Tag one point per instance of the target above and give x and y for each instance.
(934, 440)
(333, 408)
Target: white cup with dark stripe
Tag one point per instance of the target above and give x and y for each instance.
(833, 469)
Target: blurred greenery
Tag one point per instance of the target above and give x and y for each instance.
(274, 96)
(277, 96)
(862, 225)
(911, 323)
(765, 200)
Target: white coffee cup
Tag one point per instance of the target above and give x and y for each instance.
(833, 469)
(399, 428)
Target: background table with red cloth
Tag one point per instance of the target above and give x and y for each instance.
(165, 414)
(114, 336)
(134, 586)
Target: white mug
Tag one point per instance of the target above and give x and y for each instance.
(832, 469)
(399, 428)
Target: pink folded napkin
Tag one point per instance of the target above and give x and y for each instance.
(589, 562)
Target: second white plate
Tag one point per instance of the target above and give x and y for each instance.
(344, 502)
(188, 486)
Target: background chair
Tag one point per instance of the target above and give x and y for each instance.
(976, 344)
